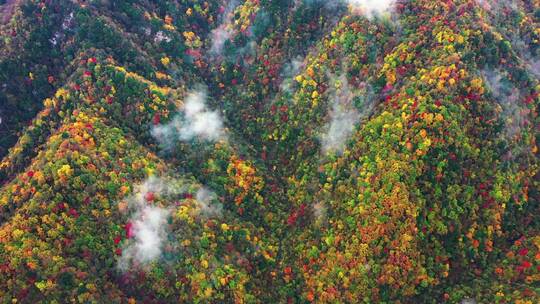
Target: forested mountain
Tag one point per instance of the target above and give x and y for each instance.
(269, 151)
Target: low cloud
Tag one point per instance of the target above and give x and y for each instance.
(508, 97)
(500, 86)
(224, 31)
(522, 44)
(147, 230)
(319, 212)
(497, 4)
(290, 70)
(195, 121)
(206, 203)
(525, 53)
(372, 8)
(149, 233)
(200, 121)
(219, 36)
(343, 117)
(147, 226)
(348, 107)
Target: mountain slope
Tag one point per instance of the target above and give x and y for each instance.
(269, 151)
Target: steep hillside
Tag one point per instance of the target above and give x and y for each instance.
(269, 151)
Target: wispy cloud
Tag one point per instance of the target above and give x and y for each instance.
(289, 71)
(343, 117)
(348, 106)
(508, 96)
(224, 31)
(206, 203)
(319, 212)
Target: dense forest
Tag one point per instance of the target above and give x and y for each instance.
(269, 151)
